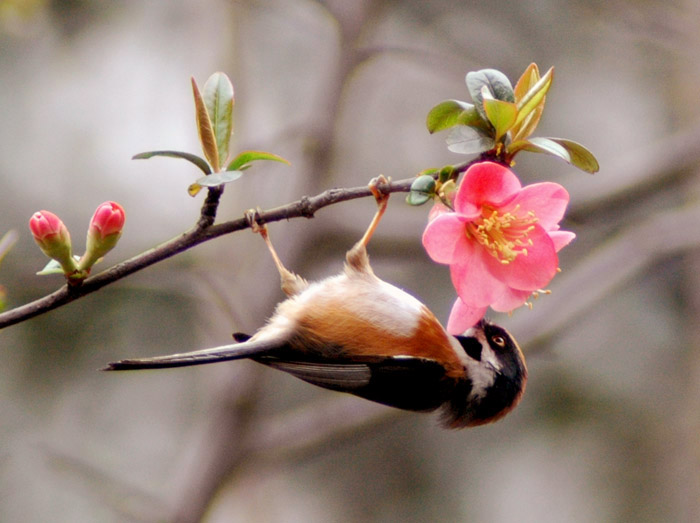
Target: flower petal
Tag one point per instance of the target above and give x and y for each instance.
(475, 283)
(511, 299)
(531, 271)
(546, 200)
(444, 238)
(462, 317)
(561, 239)
(486, 182)
(437, 209)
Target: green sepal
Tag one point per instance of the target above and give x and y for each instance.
(571, 152)
(217, 95)
(242, 160)
(422, 190)
(198, 161)
(96, 248)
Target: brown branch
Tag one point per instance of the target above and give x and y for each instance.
(202, 232)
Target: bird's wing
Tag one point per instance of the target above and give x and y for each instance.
(403, 382)
(235, 351)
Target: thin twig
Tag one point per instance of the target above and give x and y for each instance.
(202, 232)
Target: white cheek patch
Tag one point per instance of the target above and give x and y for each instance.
(482, 373)
(489, 357)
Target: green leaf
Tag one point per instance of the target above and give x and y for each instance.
(205, 129)
(533, 99)
(495, 81)
(243, 159)
(217, 94)
(422, 190)
(539, 145)
(580, 156)
(417, 198)
(429, 171)
(219, 178)
(450, 113)
(54, 267)
(526, 81)
(469, 140)
(501, 114)
(214, 180)
(527, 126)
(447, 173)
(571, 152)
(199, 162)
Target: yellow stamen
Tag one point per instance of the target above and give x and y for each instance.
(503, 234)
(530, 304)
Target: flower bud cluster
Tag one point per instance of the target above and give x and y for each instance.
(53, 238)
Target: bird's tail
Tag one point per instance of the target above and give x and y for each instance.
(247, 349)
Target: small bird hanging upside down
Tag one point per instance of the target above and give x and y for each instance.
(356, 333)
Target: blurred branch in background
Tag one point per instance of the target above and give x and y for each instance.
(639, 171)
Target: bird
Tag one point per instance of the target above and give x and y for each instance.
(358, 334)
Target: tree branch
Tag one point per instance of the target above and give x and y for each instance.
(202, 232)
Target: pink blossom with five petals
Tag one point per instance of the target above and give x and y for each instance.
(500, 241)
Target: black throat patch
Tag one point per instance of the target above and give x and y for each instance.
(471, 346)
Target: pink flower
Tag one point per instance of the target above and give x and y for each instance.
(103, 233)
(501, 241)
(53, 238)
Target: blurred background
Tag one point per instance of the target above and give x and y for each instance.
(608, 428)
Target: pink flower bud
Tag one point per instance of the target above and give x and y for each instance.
(46, 226)
(52, 236)
(107, 220)
(103, 233)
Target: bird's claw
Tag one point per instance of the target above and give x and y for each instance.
(252, 216)
(379, 196)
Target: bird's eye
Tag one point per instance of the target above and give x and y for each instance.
(499, 340)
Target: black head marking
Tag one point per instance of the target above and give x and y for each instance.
(465, 409)
(471, 346)
(506, 349)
